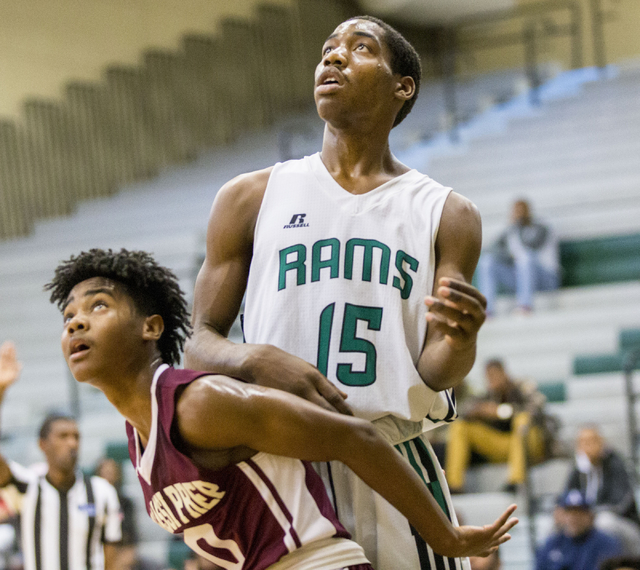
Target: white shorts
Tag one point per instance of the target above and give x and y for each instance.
(388, 539)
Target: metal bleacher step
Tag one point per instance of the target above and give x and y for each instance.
(483, 508)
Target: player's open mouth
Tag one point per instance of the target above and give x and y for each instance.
(329, 80)
(328, 86)
(77, 349)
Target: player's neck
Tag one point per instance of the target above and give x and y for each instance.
(357, 162)
(130, 394)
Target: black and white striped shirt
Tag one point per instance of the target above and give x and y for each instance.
(65, 530)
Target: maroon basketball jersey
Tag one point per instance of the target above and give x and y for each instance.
(248, 515)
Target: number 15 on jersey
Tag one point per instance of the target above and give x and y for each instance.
(349, 342)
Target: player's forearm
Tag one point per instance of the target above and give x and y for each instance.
(441, 367)
(209, 351)
(387, 473)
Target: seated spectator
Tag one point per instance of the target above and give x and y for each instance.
(621, 563)
(491, 562)
(600, 473)
(577, 545)
(507, 425)
(524, 259)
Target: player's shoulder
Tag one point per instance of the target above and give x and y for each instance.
(460, 215)
(207, 386)
(457, 204)
(245, 188)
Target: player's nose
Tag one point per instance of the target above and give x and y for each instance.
(337, 56)
(77, 323)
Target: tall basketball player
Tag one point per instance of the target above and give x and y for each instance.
(339, 253)
(214, 455)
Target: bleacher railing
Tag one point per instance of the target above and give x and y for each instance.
(630, 362)
(528, 24)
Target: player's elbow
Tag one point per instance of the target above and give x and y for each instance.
(442, 383)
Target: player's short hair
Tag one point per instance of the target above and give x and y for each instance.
(404, 60)
(153, 289)
(52, 418)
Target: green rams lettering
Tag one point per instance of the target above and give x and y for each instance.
(328, 259)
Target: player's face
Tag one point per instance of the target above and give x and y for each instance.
(102, 333)
(354, 76)
(61, 445)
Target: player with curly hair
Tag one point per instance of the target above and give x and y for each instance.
(219, 459)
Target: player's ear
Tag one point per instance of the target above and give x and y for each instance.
(153, 327)
(405, 88)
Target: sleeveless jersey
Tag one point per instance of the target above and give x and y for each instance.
(339, 280)
(266, 512)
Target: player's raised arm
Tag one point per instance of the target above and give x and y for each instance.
(216, 413)
(10, 369)
(456, 309)
(219, 290)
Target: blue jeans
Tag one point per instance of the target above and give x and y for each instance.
(523, 277)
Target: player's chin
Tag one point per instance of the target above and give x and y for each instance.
(79, 371)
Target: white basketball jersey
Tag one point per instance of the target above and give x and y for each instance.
(339, 280)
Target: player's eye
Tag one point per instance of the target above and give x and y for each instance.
(66, 318)
(326, 50)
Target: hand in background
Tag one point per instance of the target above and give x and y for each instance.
(10, 367)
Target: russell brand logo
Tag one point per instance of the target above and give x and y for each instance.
(297, 221)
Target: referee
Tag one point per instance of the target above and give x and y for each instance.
(69, 521)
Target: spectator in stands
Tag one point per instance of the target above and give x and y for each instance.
(523, 260)
(491, 562)
(578, 545)
(621, 563)
(600, 473)
(59, 502)
(506, 425)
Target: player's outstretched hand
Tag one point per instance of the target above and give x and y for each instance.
(9, 365)
(483, 540)
(275, 368)
(458, 309)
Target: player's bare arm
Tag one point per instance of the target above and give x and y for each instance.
(218, 414)
(9, 372)
(219, 290)
(456, 310)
